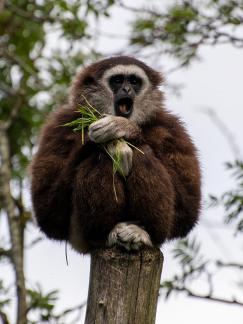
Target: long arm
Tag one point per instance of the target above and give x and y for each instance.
(150, 195)
(66, 178)
(52, 171)
(99, 203)
(164, 185)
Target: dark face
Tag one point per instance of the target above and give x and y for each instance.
(125, 88)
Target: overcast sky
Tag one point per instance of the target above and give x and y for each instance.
(215, 82)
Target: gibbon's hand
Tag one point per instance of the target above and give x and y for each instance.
(109, 128)
(125, 153)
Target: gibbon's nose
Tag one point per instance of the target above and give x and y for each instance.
(126, 89)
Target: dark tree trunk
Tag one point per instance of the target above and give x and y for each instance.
(123, 286)
(14, 225)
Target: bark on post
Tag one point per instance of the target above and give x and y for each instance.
(124, 287)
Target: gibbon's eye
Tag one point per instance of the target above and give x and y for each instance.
(135, 80)
(117, 79)
(116, 82)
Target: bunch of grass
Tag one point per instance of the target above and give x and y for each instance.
(89, 115)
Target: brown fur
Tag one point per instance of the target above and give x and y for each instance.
(72, 190)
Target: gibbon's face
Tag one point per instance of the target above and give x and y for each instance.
(126, 90)
(126, 84)
(124, 87)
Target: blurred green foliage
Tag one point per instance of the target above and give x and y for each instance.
(232, 200)
(185, 26)
(34, 75)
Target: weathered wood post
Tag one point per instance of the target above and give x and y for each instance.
(124, 287)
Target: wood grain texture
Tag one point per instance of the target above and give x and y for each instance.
(123, 286)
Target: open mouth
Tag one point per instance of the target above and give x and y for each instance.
(124, 106)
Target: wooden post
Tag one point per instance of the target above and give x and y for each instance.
(124, 287)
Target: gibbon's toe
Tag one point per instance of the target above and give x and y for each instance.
(129, 236)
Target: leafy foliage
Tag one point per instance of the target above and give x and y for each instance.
(232, 200)
(185, 26)
(4, 295)
(32, 78)
(43, 303)
(192, 264)
(42, 307)
(188, 254)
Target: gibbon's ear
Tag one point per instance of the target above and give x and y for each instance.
(89, 80)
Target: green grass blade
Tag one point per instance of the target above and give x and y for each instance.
(93, 108)
(133, 146)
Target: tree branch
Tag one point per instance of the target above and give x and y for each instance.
(230, 265)
(18, 60)
(34, 242)
(2, 4)
(4, 318)
(4, 125)
(141, 10)
(13, 225)
(29, 15)
(78, 308)
(5, 253)
(190, 293)
(7, 90)
(14, 112)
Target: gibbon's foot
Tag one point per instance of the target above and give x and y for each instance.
(129, 236)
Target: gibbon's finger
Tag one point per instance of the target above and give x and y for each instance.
(142, 237)
(129, 161)
(126, 159)
(130, 236)
(95, 125)
(124, 166)
(98, 135)
(106, 133)
(125, 236)
(130, 157)
(103, 122)
(111, 147)
(113, 123)
(101, 136)
(98, 131)
(107, 121)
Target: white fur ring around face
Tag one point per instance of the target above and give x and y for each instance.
(129, 236)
